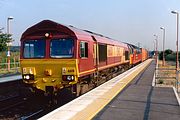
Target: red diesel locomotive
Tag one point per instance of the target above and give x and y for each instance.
(55, 56)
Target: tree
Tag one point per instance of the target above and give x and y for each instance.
(169, 55)
(4, 39)
(160, 55)
(168, 51)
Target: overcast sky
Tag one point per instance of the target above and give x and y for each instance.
(133, 21)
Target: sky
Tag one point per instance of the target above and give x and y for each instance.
(132, 21)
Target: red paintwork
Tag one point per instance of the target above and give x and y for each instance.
(111, 60)
(38, 32)
(144, 54)
(61, 31)
(136, 58)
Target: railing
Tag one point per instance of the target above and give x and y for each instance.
(14, 67)
(14, 63)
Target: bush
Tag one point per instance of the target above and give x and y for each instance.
(171, 57)
(161, 81)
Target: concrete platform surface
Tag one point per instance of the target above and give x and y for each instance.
(141, 101)
(10, 78)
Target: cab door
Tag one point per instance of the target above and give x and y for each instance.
(95, 54)
(86, 62)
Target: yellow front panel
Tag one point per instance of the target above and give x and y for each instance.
(48, 72)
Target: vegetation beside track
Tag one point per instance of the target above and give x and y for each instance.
(14, 63)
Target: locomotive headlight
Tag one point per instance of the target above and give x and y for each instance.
(47, 35)
(68, 77)
(27, 77)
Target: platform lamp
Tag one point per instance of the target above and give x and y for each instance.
(177, 37)
(163, 45)
(156, 39)
(177, 51)
(9, 41)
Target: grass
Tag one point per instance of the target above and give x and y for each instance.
(161, 81)
(167, 76)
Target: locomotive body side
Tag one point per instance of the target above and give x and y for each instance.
(144, 54)
(135, 55)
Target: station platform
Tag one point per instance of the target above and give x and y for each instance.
(10, 78)
(141, 101)
(129, 96)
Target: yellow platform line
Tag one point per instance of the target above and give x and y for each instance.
(98, 104)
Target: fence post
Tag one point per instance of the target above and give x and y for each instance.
(177, 77)
(17, 64)
(178, 82)
(1, 65)
(6, 61)
(14, 62)
(156, 72)
(155, 76)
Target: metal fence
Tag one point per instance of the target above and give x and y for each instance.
(14, 67)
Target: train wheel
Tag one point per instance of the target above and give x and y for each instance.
(52, 100)
(76, 89)
(52, 96)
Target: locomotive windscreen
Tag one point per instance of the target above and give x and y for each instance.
(61, 48)
(34, 49)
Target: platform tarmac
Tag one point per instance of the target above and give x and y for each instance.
(139, 100)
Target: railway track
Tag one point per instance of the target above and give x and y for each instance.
(6, 98)
(29, 108)
(21, 108)
(31, 116)
(20, 104)
(32, 107)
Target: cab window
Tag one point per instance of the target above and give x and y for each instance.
(83, 49)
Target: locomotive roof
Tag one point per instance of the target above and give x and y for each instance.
(48, 25)
(133, 46)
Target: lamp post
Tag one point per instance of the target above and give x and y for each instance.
(154, 45)
(156, 39)
(177, 37)
(9, 42)
(163, 44)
